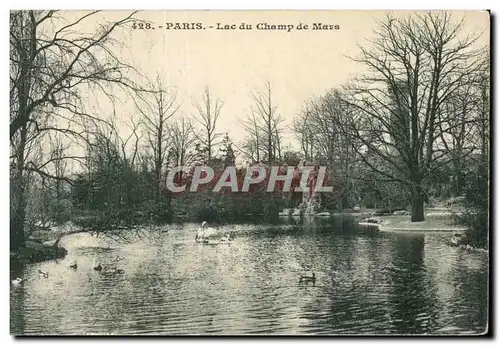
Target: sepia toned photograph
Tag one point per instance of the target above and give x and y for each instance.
(230, 172)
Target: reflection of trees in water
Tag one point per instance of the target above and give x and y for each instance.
(17, 299)
(470, 306)
(412, 298)
(356, 300)
(274, 261)
(336, 224)
(145, 298)
(382, 287)
(461, 286)
(167, 290)
(383, 283)
(317, 224)
(17, 306)
(336, 302)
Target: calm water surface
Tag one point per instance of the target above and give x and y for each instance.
(367, 283)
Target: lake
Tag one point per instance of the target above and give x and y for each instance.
(367, 283)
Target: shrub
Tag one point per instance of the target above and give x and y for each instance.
(475, 215)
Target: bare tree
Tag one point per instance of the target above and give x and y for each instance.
(130, 145)
(53, 65)
(303, 127)
(182, 139)
(251, 146)
(60, 164)
(277, 136)
(483, 105)
(456, 121)
(209, 109)
(37, 206)
(414, 65)
(268, 123)
(323, 141)
(156, 109)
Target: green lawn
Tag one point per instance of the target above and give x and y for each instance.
(436, 222)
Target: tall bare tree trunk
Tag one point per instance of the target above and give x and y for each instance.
(417, 204)
(267, 123)
(18, 208)
(209, 109)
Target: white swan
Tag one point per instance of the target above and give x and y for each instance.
(199, 233)
(205, 232)
(209, 232)
(17, 281)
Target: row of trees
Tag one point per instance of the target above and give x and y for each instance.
(54, 66)
(59, 72)
(416, 123)
(408, 129)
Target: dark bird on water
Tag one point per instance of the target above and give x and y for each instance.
(73, 265)
(306, 278)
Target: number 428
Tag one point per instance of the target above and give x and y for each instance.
(141, 26)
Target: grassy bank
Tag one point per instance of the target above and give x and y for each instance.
(437, 222)
(39, 247)
(37, 253)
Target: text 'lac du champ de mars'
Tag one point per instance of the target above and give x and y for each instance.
(261, 26)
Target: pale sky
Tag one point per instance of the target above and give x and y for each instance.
(299, 64)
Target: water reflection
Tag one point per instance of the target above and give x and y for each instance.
(367, 283)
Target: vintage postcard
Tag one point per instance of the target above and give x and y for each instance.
(249, 172)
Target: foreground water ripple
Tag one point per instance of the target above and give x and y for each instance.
(377, 284)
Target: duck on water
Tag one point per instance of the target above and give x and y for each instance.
(110, 269)
(307, 277)
(97, 267)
